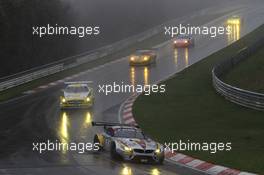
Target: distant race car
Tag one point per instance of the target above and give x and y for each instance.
(77, 95)
(128, 142)
(143, 58)
(183, 41)
(234, 20)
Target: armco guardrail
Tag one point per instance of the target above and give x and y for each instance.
(239, 96)
(29, 77)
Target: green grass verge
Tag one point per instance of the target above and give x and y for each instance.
(192, 110)
(249, 73)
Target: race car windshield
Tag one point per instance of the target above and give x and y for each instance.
(143, 52)
(80, 89)
(183, 37)
(129, 134)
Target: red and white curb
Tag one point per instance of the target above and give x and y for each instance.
(126, 116)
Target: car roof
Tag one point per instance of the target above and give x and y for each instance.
(144, 51)
(235, 16)
(124, 127)
(184, 36)
(77, 85)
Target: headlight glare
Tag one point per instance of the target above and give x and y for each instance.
(145, 58)
(88, 99)
(157, 150)
(63, 100)
(126, 148)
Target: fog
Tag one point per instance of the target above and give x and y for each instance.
(122, 18)
(117, 19)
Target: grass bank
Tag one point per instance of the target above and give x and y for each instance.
(192, 110)
(249, 73)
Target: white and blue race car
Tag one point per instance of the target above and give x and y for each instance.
(128, 142)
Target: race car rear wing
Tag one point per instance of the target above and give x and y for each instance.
(104, 124)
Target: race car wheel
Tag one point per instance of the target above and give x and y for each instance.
(97, 141)
(161, 160)
(113, 152)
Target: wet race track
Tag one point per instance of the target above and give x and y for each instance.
(40, 117)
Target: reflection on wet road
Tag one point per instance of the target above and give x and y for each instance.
(75, 125)
(63, 132)
(146, 75)
(126, 171)
(142, 74)
(181, 57)
(132, 75)
(234, 23)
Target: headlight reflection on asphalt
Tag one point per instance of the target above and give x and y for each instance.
(235, 26)
(186, 55)
(132, 76)
(155, 171)
(86, 123)
(126, 171)
(88, 119)
(146, 75)
(176, 56)
(63, 131)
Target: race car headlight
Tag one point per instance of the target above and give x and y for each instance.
(63, 100)
(125, 148)
(88, 99)
(175, 42)
(185, 41)
(132, 58)
(157, 150)
(146, 58)
(128, 149)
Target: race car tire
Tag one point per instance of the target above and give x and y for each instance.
(160, 161)
(113, 152)
(97, 141)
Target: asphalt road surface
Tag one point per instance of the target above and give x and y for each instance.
(37, 117)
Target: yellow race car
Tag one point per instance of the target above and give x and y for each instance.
(77, 95)
(143, 58)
